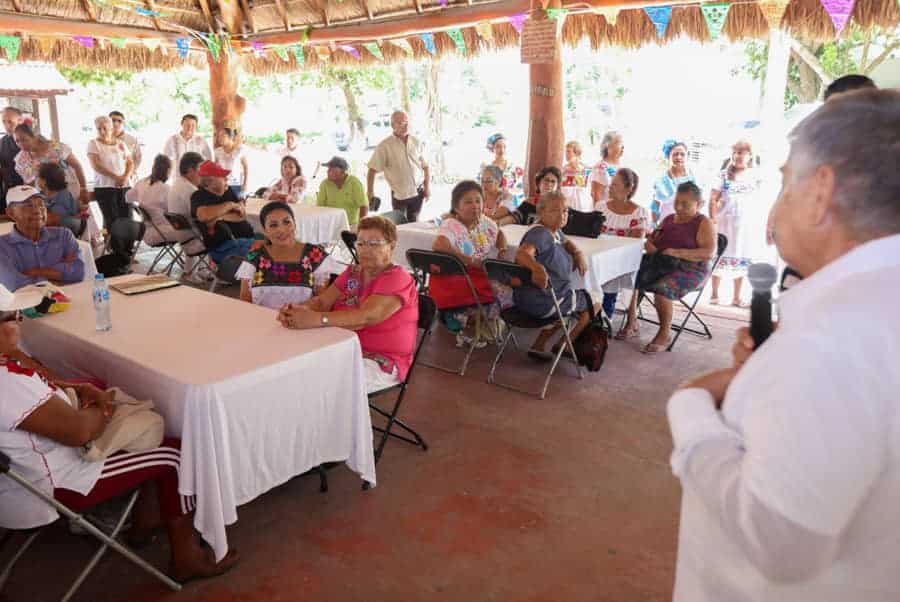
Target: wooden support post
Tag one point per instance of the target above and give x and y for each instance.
(54, 116)
(227, 105)
(546, 138)
(36, 114)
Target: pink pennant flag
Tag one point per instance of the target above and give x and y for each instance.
(518, 21)
(444, 3)
(349, 50)
(839, 11)
(257, 47)
(86, 41)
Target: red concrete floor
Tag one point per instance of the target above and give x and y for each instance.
(517, 500)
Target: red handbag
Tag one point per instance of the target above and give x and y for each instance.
(452, 291)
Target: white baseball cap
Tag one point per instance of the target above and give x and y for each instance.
(20, 194)
(23, 299)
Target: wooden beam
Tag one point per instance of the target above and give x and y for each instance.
(368, 8)
(279, 4)
(249, 14)
(152, 6)
(419, 6)
(17, 6)
(204, 6)
(89, 7)
(54, 117)
(407, 23)
(230, 13)
(38, 25)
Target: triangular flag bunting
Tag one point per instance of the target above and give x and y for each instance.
(659, 16)
(403, 44)
(183, 45)
(86, 41)
(443, 3)
(610, 13)
(374, 50)
(457, 36)
(257, 47)
(518, 21)
(839, 11)
(715, 16)
(773, 10)
(11, 45)
(118, 42)
(349, 50)
(428, 39)
(304, 35)
(46, 45)
(281, 52)
(557, 14)
(486, 30)
(322, 52)
(151, 43)
(213, 44)
(297, 50)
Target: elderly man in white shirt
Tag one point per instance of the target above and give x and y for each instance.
(789, 460)
(187, 140)
(399, 156)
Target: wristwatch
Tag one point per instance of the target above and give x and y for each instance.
(324, 321)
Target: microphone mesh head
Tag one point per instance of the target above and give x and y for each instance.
(762, 276)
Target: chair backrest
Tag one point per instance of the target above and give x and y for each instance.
(349, 239)
(147, 219)
(178, 221)
(425, 263)
(507, 273)
(125, 235)
(228, 267)
(397, 217)
(427, 315)
(721, 244)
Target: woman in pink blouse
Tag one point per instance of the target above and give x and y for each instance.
(376, 298)
(291, 185)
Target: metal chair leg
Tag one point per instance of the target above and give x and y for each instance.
(7, 571)
(509, 335)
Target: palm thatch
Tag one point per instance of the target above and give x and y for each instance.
(806, 19)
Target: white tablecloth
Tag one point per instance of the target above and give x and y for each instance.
(87, 254)
(254, 403)
(317, 225)
(608, 257)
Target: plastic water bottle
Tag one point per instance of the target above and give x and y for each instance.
(101, 303)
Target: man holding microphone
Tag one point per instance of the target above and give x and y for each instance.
(790, 459)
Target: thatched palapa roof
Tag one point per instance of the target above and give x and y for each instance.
(143, 34)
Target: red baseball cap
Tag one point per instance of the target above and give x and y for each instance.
(209, 168)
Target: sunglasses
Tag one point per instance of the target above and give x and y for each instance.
(14, 316)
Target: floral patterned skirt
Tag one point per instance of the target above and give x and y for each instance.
(676, 285)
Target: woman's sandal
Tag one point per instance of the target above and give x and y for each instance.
(651, 348)
(628, 333)
(713, 300)
(540, 356)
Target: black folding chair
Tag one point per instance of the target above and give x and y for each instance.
(349, 239)
(427, 263)
(106, 540)
(183, 224)
(224, 273)
(722, 244)
(125, 236)
(167, 248)
(427, 313)
(514, 276)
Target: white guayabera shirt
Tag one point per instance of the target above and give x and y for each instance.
(792, 491)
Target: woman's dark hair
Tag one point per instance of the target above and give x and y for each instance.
(631, 180)
(543, 173)
(460, 190)
(848, 83)
(162, 166)
(25, 128)
(273, 206)
(689, 188)
(294, 161)
(53, 175)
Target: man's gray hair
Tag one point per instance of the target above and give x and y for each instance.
(857, 134)
(103, 119)
(549, 197)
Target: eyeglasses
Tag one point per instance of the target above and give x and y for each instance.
(372, 244)
(15, 316)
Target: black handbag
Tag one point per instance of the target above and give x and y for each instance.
(584, 223)
(593, 341)
(655, 267)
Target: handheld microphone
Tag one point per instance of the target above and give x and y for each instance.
(762, 277)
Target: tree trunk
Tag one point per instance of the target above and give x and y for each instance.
(354, 116)
(809, 84)
(405, 102)
(546, 136)
(226, 104)
(436, 121)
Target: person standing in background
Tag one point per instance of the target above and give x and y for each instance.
(230, 155)
(187, 140)
(291, 146)
(112, 165)
(118, 126)
(611, 149)
(399, 156)
(8, 151)
(666, 185)
(575, 184)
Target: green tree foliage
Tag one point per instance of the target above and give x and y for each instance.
(813, 65)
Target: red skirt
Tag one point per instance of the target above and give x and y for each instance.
(452, 291)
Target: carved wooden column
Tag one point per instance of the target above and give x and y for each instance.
(227, 105)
